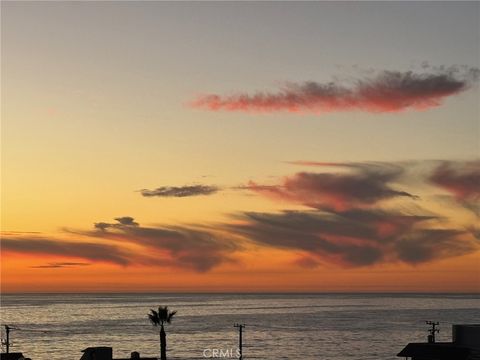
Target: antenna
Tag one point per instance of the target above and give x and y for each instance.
(432, 331)
(240, 343)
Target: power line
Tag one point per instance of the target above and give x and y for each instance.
(32, 330)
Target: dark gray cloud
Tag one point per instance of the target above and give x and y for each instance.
(364, 184)
(460, 178)
(121, 222)
(348, 225)
(102, 225)
(184, 247)
(175, 246)
(355, 237)
(94, 252)
(126, 220)
(380, 92)
(428, 244)
(181, 191)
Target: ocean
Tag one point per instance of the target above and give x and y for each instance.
(277, 326)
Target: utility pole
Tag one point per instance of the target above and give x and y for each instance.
(240, 342)
(432, 330)
(7, 340)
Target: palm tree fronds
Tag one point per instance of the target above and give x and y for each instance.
(170, 316)
(163, 315)
(154, 317)
(163, 312)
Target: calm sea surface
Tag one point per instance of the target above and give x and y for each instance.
(280, 326)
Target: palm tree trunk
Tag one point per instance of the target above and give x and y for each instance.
(163, 344)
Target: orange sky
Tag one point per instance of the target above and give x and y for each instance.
(218, 148)
(454, 275)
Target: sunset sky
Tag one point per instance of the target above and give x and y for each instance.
(208, 146)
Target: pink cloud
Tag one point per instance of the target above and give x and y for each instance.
(388, 91)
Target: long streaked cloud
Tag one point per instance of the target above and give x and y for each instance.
(125, 242)
(92, 251)
(364, 185)
(429, 244)
(178, 246)
(60, 265)
(180, 191)
(354, 238)
(347, 223)
(386, 91)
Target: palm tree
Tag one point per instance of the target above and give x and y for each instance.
(159, 318)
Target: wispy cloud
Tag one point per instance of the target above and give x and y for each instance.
(428, 244)
(121, 222)
(364, 185)
(177, 246)
(385, 91)
(60, 265)
(347, 223)
(95, 252)
(125, 242)
(181, 191)
(354, 238)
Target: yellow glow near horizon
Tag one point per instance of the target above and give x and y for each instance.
(96, 108)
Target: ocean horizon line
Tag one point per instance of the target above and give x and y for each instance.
(188, 292)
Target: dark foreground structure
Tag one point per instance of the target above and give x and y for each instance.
(106, 353)
(12, 356)
(90, 353)
(465, 345)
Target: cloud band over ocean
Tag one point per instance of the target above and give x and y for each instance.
(343, 222)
